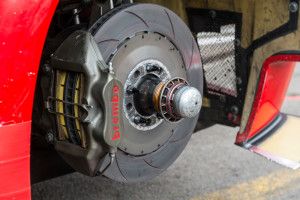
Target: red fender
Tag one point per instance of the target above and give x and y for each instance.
(23, 29)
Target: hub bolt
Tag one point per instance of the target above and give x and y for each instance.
(152, 68)
(132, 90)
(139, 120)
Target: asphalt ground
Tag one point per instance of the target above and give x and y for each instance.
(211, 167)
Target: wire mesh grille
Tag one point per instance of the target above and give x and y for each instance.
(218, 58)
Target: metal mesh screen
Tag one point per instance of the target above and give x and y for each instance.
(218, 58)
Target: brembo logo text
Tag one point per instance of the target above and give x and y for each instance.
(115, 112)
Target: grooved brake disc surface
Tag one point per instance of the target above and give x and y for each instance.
(129, 38)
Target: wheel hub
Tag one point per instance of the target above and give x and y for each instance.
(171, 100)
(141, 81)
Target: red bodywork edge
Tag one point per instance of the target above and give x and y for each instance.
(23, 29)
(273, 83)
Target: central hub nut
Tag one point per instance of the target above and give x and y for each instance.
(188, 102)
(175, 100)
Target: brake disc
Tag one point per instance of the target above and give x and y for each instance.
(132, 39)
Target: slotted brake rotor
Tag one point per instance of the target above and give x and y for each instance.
(155, 57)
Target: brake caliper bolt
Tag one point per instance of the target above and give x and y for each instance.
(46, 69)
(49, 137)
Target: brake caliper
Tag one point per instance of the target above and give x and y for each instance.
(88, 104)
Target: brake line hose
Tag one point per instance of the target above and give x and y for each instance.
(112, 159)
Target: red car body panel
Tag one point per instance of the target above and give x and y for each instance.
(273, 84)
(23, 29)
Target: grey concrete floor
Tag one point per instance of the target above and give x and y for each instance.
(211, 167)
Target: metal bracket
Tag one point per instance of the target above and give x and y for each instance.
(50, 100)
